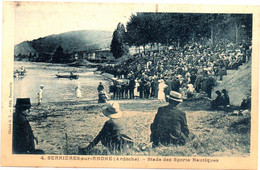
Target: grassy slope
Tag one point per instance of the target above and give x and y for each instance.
(237, 82)
(217, 134)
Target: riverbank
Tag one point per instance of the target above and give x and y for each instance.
(64, 124)
(62, 127)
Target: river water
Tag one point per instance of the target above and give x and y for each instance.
(55, 89)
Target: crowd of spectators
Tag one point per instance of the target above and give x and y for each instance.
(190, 69)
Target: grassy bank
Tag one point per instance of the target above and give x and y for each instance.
(217, 133)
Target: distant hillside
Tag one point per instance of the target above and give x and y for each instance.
(237, 82)
(24, 48)
(69, 41)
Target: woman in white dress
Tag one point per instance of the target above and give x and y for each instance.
(78, 90)
(162, 86)
(40, 95)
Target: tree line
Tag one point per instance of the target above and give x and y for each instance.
(179, 28)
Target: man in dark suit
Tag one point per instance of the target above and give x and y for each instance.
(23, 137)
(170, 123)
(100, 87)
(131, 88)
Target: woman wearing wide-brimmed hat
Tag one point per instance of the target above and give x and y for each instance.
(111, 135)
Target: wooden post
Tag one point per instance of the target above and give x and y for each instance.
(67, 145)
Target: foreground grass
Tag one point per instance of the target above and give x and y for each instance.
(217, 133)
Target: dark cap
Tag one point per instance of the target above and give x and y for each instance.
(23, 102)
(224, 91)
(218, 92)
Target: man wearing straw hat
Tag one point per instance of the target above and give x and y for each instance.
(170, 123)
(111, 135)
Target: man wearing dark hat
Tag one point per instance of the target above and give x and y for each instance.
(170, 123)
(112, 134)
(100, 87)
(226, 101)
(218, 101)
(23, 138)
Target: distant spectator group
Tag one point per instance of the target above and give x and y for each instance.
(191, 69)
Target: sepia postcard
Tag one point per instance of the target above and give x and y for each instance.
(129, 85)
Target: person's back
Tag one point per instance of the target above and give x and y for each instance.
(170, 123)
(167, 127)
(114, 134)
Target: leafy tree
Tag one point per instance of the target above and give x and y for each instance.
(166, 28)
(118, 45)
(58, 56)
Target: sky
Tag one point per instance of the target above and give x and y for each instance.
(36, 19)
(39, 19)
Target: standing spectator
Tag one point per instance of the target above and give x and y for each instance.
(167, 88)
(126, 90)
(23, 137)
(141, 89)
(78, 90)
(147, 87)
(210, 84)
(40, 95)
(170, 123)
(100, 87)
(112, 89)
(162, 86)
(122, 91)
(118, 90)
(176, 84)
(156, 87)
(131, 88)
(198, 81)
(153, 87)
(193, 77)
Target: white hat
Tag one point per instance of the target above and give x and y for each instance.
(112, 111)
(175, 96)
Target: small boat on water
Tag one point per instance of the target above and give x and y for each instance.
(20, 72)
(70, 76)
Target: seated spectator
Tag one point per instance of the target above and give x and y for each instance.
(226, 101)
(170, 123)
(102, 98)
(246, 103)
(112, 134)
(218, 101)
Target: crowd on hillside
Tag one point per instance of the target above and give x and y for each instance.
(192, 68)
